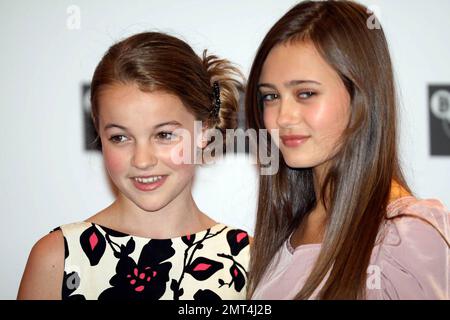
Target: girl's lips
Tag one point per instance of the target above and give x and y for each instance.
(149, 186)
(293, 140)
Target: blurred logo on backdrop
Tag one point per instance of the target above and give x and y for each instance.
(92, 142)
(439, 109)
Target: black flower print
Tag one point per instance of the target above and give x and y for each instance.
(189, 239)
(238, 278)
(206, 295)
(237, 272)
(237, 240)
(113, 233)
(66, 249)
(203, 268)
(93, 244)
(207, 266)
(145, 279)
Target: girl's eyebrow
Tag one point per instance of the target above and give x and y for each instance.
(173, 123)
(293, 83)
(288, 84)
(114, 125)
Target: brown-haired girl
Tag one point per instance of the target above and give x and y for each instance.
(337, 221)
(153, 242)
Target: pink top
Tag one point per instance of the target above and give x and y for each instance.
(411, 259)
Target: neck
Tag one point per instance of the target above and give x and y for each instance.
(179, 217)
(312, 228)
(319, 174)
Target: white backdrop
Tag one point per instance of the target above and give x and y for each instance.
(47, 179)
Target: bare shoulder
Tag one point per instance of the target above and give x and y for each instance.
(44, 272)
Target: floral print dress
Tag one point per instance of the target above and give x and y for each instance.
(101, 263)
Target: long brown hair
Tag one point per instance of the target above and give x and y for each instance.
(359, 179)
(158, 61)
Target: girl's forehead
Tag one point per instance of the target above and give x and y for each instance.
(128, 103)
(295, 61)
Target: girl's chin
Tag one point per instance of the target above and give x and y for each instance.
(150, 208)
(134, 202)
(295, 162)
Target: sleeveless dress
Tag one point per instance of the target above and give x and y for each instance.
(101, 263)
(410, 259)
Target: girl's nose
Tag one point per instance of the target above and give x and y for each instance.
(289, 115)
(143, 157)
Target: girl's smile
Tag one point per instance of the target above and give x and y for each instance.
(292, 141)
(149, 183)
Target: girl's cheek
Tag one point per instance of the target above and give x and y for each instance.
(184, 171)
(115, 162)
(321, 118)
(327, 122)
(270, 118)
(173, 157)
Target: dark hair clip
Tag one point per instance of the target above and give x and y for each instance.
(216, 102)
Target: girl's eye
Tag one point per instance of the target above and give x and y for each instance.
(306, 94)
(166, 136)
(118, 138)
(269, 97)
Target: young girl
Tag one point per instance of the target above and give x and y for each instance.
(337, 221)
(153, 242)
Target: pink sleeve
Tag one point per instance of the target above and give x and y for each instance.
(415, 259)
